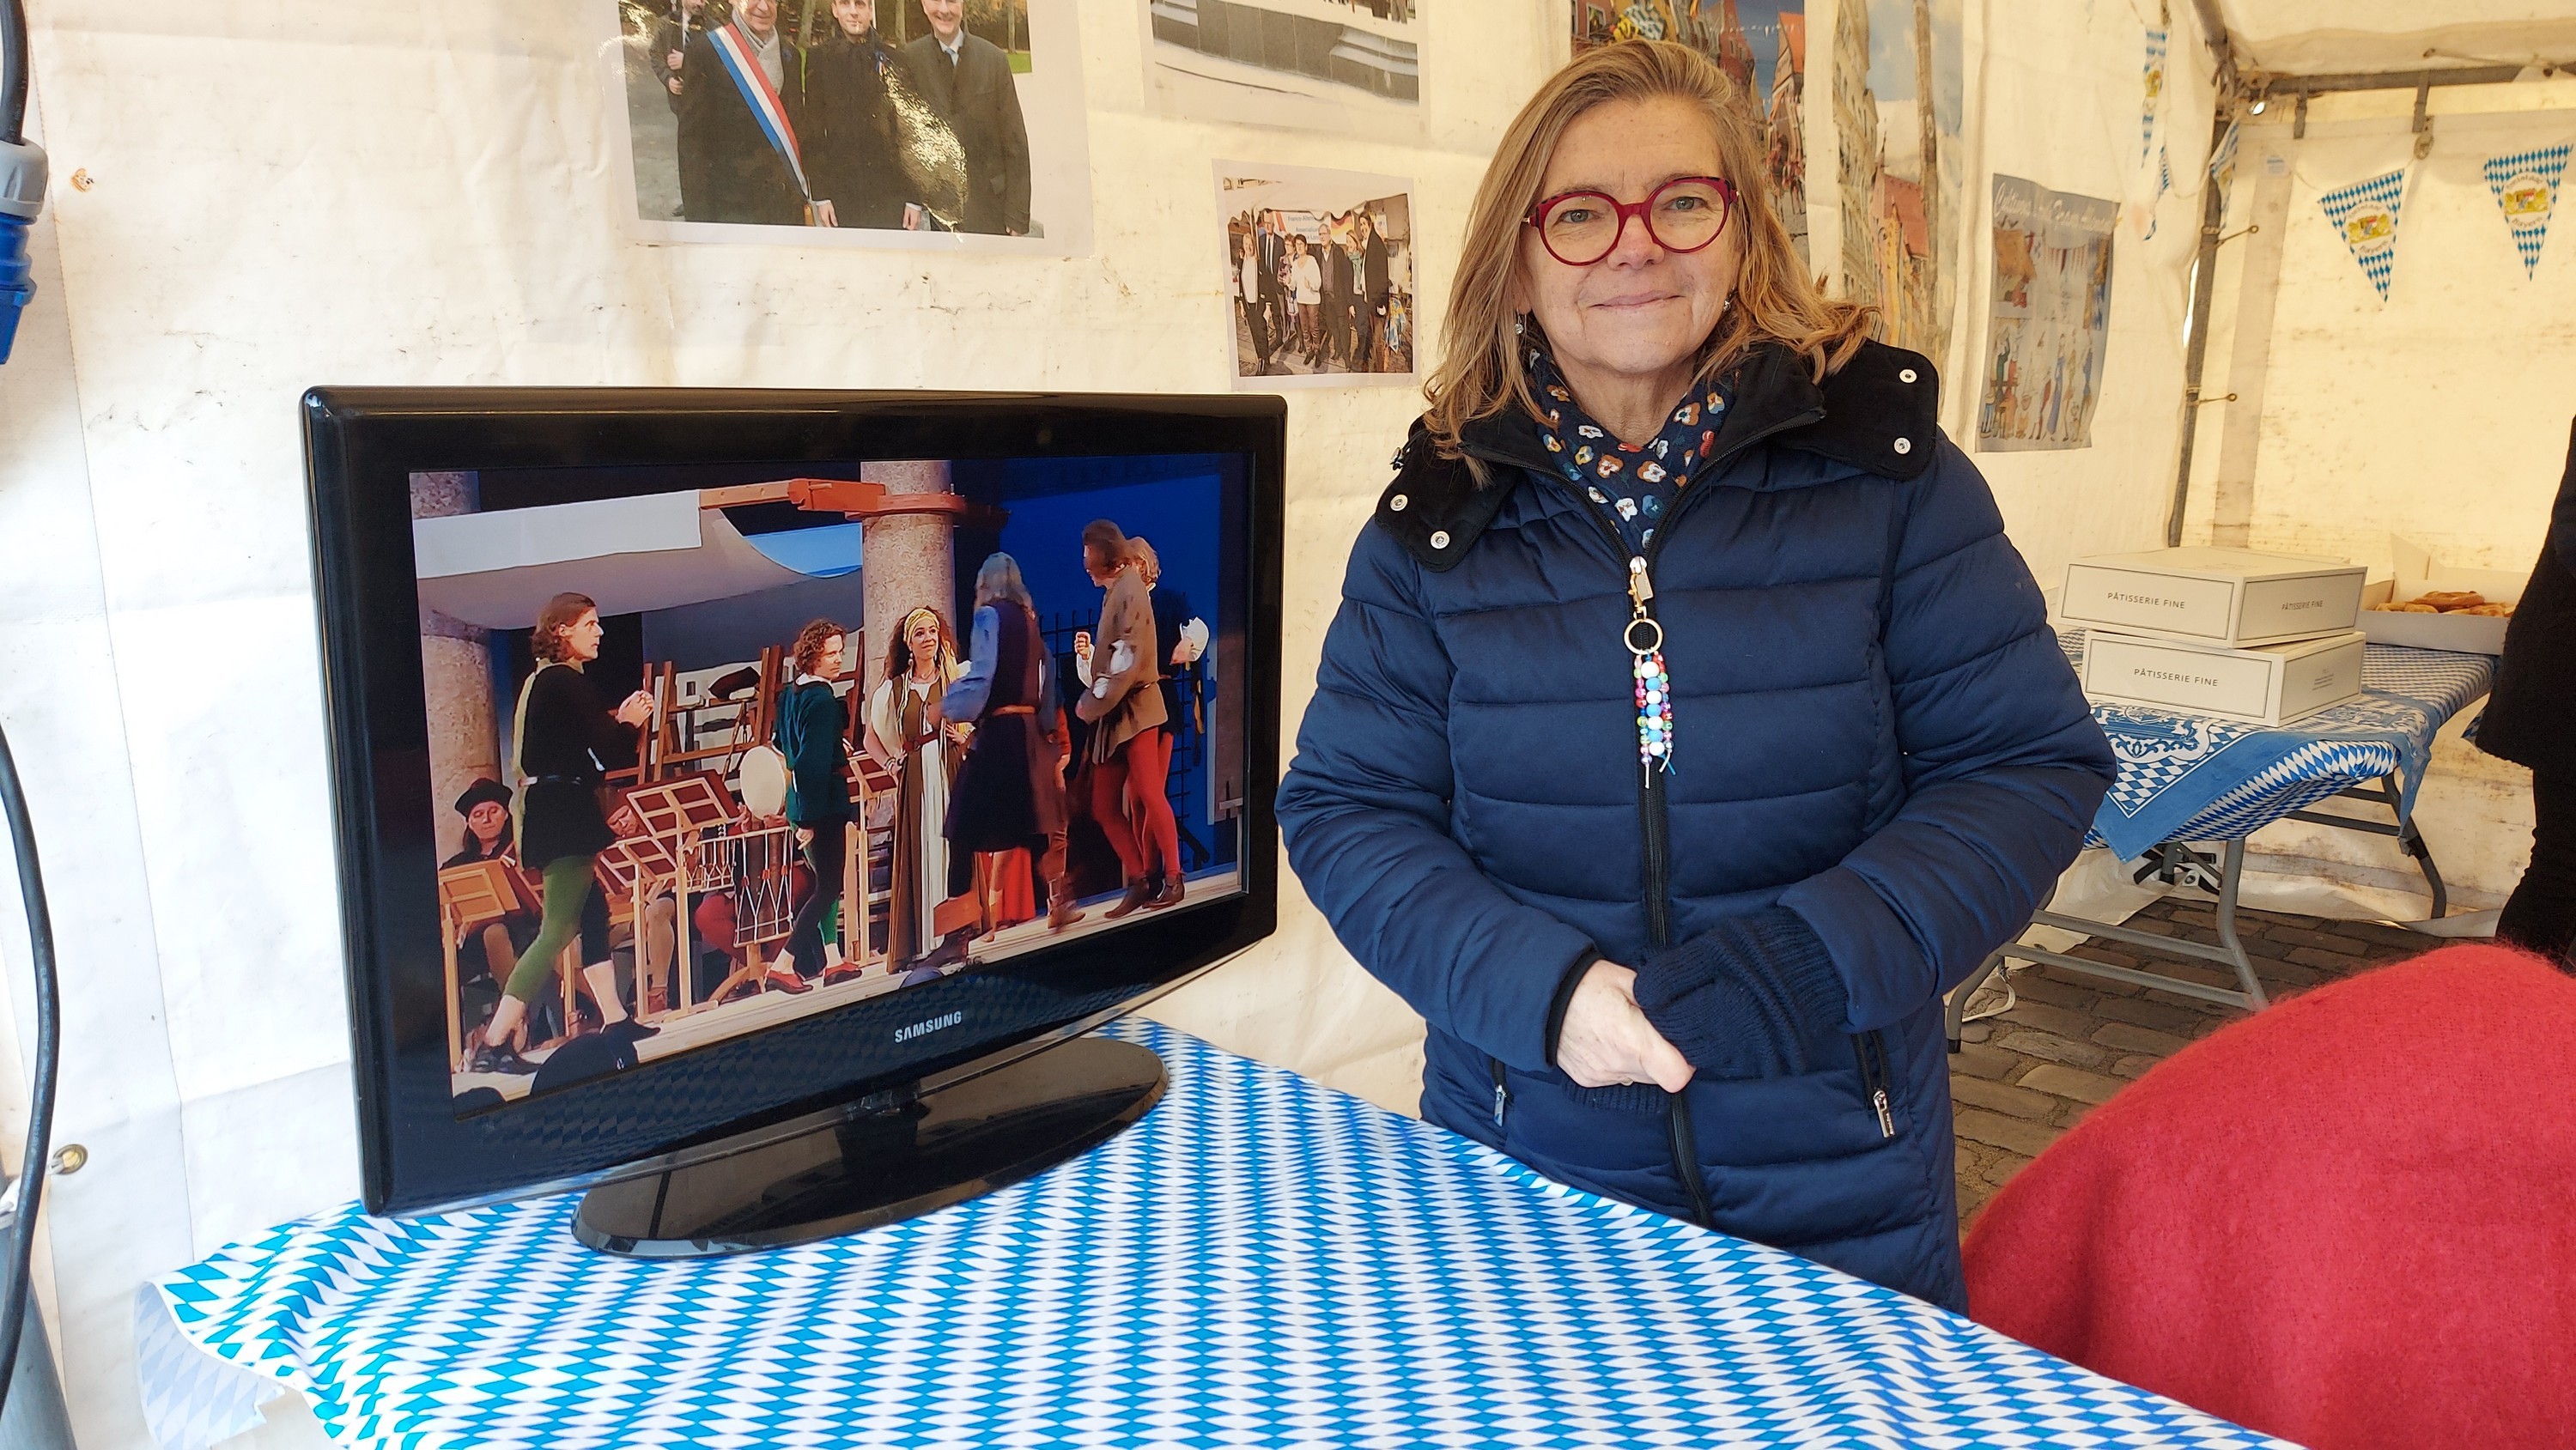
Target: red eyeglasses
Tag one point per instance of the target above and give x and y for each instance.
(1684, 214)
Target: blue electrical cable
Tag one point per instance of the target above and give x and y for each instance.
(40, 1108)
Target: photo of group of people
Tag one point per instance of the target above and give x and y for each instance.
(1319, 267)
(722, 757)
(855, 116)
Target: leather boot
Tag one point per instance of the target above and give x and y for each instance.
(1138, 891)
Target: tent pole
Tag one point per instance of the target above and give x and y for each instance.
(2204, 272)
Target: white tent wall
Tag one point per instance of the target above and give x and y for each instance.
(2441, 415)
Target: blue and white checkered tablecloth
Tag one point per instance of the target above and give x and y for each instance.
(2186, 777)
(1261, 1262)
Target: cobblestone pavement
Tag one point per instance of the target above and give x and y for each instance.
(2021, 1079)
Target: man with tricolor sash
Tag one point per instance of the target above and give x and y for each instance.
(739, 160)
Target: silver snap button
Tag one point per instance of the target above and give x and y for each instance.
(1398, 502)
(1906, 376)
(1440, 539)
(1904, 445)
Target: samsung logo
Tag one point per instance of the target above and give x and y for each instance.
(2144, 599)
(923, 1029)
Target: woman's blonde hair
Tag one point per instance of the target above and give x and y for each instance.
(1482, 370)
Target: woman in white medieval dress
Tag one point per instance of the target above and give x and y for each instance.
(904, 732)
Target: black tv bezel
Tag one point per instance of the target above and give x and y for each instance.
(362, 445)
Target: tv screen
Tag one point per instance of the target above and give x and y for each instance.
(708, 759)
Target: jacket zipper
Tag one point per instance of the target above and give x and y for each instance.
(1502, 1092)
(1654, 822)
(1870, 1049)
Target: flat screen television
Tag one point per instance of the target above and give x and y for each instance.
(707, 664)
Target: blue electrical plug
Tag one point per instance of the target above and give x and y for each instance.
(22, 195)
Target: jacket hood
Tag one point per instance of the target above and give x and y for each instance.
(1879, 414)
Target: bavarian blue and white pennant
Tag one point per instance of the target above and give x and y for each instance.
(2525, 184)
(2155, 90)
(2366, 213)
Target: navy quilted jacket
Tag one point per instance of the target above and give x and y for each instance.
(1877, 741)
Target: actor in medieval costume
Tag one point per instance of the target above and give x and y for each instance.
(904, 731)
(562, 732)
(1010, 793)
(812, 735)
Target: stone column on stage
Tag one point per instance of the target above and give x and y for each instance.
(905, 561)
(456, 673)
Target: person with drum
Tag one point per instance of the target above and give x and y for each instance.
(1689, 725)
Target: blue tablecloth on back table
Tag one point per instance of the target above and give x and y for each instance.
(1261, 1262)
(2187, 777)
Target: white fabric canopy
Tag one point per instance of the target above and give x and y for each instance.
(2307, 37)
(659, 551)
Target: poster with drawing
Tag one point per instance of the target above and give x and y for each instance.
(2051, 319)
(1899, 104)
(1762, 47)
(918, 124)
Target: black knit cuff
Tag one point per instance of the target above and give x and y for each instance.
(1744, 998)
(1564, 998)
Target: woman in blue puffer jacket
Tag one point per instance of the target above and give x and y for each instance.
(1688, 726)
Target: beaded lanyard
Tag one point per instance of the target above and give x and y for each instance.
(1644, 638)
(1588, 465)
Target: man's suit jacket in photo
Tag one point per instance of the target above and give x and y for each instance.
(980, 101)
(728, 170)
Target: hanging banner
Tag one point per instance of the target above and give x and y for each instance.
(2155, 90)
(2366, 213)
(2525, 184)
(2052, 317)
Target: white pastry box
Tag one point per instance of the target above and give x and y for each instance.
(2220, 596)
(2419, 574)
(2267, 684)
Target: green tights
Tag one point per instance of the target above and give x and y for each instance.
(567, 887)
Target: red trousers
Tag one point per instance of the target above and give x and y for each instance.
(1142, 767)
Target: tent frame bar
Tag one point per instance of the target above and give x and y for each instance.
(2409, 80)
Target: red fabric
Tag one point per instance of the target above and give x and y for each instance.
(2348, 1220)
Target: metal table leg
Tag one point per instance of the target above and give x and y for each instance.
(2175, 861)
(2385, 792)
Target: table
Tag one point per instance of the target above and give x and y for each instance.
(1261, 1262)
(2188, 778)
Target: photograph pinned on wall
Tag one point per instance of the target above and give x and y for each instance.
(1319, 274)
(1903, 182)
(1762, 47)
(915, 124)
(1350, 66)
(2052, 318)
